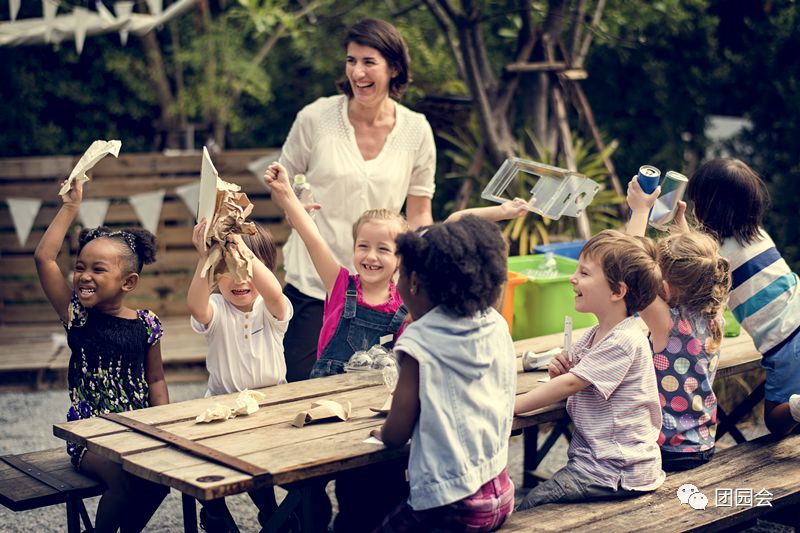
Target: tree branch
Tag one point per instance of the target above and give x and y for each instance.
(587, 40)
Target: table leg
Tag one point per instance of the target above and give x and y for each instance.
(283, 514)
(727, 422)
(533, 455)
(189, 513)
(73, 517)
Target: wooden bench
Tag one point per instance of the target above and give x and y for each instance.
(41, 479)
(764, 464)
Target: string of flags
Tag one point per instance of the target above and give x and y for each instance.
(80, 22)
(92, 212)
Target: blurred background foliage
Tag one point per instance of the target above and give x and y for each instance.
(235, 73)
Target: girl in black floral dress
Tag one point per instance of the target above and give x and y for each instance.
(116, 357)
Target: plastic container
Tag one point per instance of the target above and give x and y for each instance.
(506, 309)
(540, 304)
(732, 326)
(570, 249)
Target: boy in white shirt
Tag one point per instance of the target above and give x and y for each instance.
(244, 325)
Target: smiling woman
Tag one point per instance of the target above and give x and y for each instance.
(359, 150)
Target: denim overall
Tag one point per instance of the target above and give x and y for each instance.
(359, 328)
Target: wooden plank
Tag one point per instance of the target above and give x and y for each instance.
(756, 465)
(546, 66)
(19, 491)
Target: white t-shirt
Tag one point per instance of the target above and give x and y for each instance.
(245, 350)
(322, 145)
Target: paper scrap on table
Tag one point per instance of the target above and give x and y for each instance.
(373, 440)
(246, 403)
(385, 408)
(323, 410)
(544, 379)
(225, 210)
(97, 151)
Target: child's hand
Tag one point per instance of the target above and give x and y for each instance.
(560, 364)
(638, 200)
(376, 433)
(679, 224)
(198, 238)
(277, 180)
(74, 196)
(516, 208)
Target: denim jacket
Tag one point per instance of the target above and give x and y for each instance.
(467, 383)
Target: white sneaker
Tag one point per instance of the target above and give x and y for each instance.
(794, 406)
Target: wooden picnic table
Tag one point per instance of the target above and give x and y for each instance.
(286, 454)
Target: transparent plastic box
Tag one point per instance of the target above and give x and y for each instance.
(549, 191)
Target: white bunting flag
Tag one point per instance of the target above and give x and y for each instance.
(123, 11)
(23, 213)
(155, 6)
(80, 21)
(92, 213)
(148, 208)
(190, 194)
(13, 8)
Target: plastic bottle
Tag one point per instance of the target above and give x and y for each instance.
(302, 189)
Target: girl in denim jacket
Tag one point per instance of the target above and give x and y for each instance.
(455, 393)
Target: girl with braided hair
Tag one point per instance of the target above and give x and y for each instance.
(115, 364)
(686, 328)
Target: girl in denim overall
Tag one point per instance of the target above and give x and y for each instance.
(361, 311)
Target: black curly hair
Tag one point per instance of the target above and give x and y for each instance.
(138, 246)
(461, 265)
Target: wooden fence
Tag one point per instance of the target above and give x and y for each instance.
(163, 285)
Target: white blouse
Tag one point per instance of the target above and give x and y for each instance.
(322, 145)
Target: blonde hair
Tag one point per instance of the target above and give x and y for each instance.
(630, 260)
(380, 215)
(699, 278)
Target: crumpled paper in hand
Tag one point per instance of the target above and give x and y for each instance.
(322, 410)
(225, 255)
(246, 404)
(97, 151)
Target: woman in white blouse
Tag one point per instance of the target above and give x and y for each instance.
(359, 150)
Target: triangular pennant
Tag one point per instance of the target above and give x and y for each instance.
(155, 6)
(148, 208)
(13, 8)
(23, 213)
(49, 10)
(104, 13)
(92, 213)
(80, 18)
(123, 11)
(190, 194)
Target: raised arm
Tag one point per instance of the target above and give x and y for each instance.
(405, 405)
(515, 208)
(555, 390)
(197, 297)
(640, 203)
(324, 262)
(55, 287)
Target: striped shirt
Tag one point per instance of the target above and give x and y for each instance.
(764, 296)
(618, 418)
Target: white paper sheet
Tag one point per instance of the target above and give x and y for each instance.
(97, 151)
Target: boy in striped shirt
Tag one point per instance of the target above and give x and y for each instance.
(607, 378)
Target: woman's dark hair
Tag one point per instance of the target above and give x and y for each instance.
(387, 40)
(262, 246)
(137, 246)
(461, 265)
(729, 199)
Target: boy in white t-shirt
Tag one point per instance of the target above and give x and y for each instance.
(244, 325)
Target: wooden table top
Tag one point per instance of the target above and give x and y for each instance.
(268, 440)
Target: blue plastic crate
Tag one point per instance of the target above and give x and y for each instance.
(570, 249)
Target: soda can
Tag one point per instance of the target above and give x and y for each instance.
(648, 178)
(666, 206)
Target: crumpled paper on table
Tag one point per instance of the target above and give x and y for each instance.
(246, 403)
(97, 151)
(385, 408)
(322, 410)
(225, 255)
